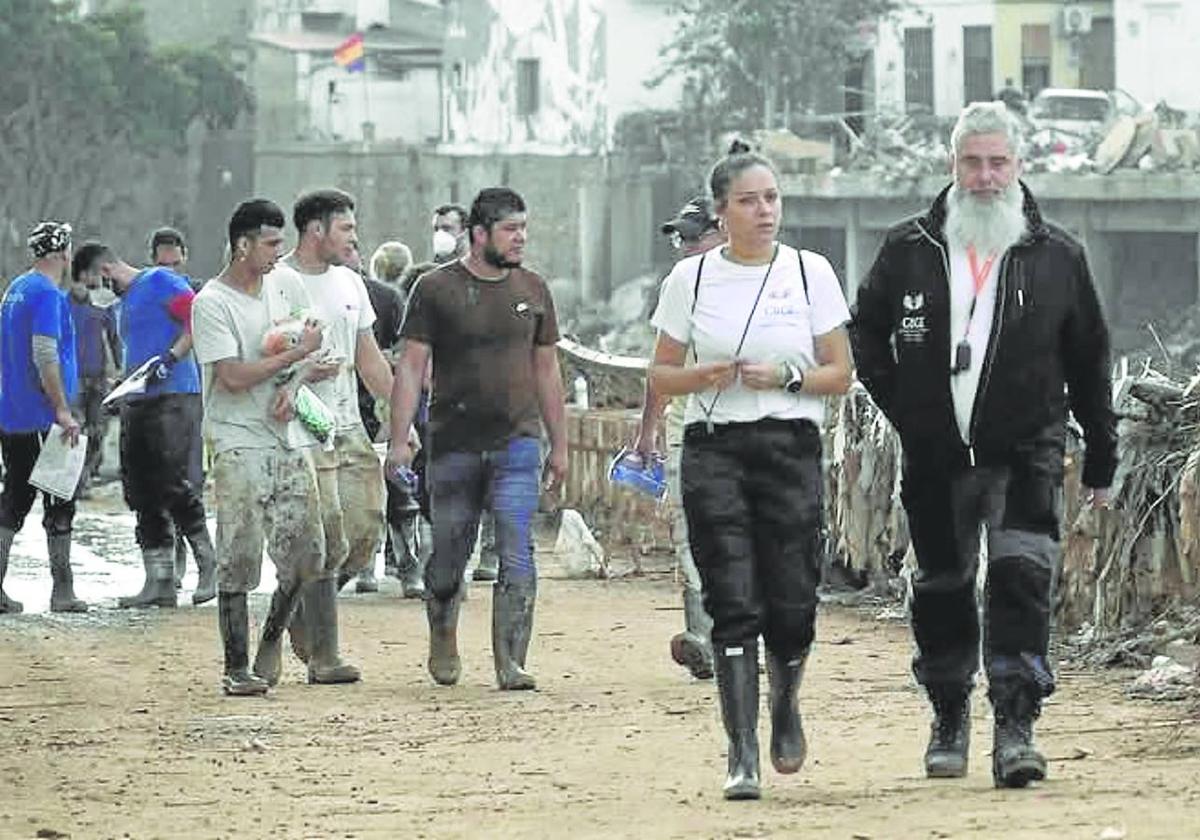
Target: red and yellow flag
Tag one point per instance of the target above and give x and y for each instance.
(352, 54)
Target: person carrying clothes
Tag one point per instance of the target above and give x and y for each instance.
(160, 427)
(489, 326)
(39, 378)
(753, 333)
(976, 329)
(694, 230)
(264, 480)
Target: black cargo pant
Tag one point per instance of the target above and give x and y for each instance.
(752, 497)
(1020, 502)
(158, 440)
(21, 451)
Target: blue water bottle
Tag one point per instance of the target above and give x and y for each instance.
(646, 476)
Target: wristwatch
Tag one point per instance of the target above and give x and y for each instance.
(795, 378)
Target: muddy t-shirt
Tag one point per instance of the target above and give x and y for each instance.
(482, 334)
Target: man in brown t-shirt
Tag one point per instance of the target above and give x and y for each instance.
(490, 328)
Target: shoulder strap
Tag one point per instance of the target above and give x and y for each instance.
(803, 275)
(696, 287)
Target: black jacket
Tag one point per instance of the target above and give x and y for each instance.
(1048, 332)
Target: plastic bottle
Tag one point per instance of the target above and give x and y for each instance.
(581, 392)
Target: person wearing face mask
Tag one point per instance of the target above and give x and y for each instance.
(488, 325)
(753, 332)
(99, 352)
(39, 378)
(449, 233)
(159, 427)
(350, 478)
(975, 331)
(694, 230)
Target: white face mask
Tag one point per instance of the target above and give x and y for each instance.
(444, 244)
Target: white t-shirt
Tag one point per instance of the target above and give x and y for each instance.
(340, 301)
(965, 385)
(227, 323)
(782, 327)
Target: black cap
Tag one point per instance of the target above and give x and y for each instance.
(693, 219)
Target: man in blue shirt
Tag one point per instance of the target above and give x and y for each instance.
(158, 427)
(98, 351)
(38, 379)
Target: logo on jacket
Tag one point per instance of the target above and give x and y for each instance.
(913, 301)
(912, 323)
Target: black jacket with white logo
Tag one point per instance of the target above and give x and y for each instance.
(1047, 332)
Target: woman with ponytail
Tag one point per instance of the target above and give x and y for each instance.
(754, 333)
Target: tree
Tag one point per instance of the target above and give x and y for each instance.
(87, 109)
(746, 63)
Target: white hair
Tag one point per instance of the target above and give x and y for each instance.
(987, 118)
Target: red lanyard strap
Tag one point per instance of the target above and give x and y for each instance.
(979, 277)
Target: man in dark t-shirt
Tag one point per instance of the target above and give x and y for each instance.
(489, 326)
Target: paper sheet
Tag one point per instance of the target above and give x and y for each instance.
(59, 466)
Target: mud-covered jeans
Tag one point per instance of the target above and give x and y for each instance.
(267, 496)
(1020, 503)
(21, 452)
(159, 436)
(461, 481)
(679, 530)
(350, 479)
(752, 495)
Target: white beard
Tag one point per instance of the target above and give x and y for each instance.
(991, 226)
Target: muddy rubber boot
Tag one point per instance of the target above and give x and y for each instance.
(737, 684)
(1015, 760)
(268, 660)
(180, 560)
(788, 745)
(159, 588)
(444, 664)
(365, 581)
(512, 628)
(410, 561)
(692, 648)
(298, 633)
(325, 665)
(950, 733)
(8, 605)
(235, 637)
(206, 562)
(62, 594)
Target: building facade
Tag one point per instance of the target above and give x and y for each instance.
(1157, 58)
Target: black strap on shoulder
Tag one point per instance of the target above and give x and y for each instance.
(696, 287)
(803, 276)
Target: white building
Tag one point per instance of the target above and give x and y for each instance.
(1158, 51)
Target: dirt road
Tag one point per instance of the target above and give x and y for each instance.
(114, 727)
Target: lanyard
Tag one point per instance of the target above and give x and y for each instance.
(979, 277)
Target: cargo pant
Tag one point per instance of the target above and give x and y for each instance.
(1020, 502)
(267, 497)
(350, 482)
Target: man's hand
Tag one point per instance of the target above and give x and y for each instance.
(761, 377)
(400, 454)
(646, 441)
(555, 472)
(161, 368)
(283, 406)
(70, 426)
(1100, 497)
(322, 370)
(716, 375)
(310, 338)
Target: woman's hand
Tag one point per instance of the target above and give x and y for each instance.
(716, 375)
(760, 376)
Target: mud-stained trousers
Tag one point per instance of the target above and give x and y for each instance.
(267, 497)
(21, 451)
(1020, 502)
(752, 495)
(158, 438)
(350, 482)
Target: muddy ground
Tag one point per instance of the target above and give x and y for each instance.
(114, 726)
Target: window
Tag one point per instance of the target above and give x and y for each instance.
(1035, 58)
(977, 64)
(918, 69)
(528, 86)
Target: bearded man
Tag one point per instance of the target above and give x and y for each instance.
(976, 329)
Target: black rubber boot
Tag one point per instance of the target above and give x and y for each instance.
(62, 594)
(693, 647)
(737, 683)
(206, 562)
(8, 605)
(325, 665)
(788, 745)
(1015, 760)
(268, 660)
(444, 664)
(159, 588)
(512, 628)
(410, 559)
(950, 733)
(235, 636)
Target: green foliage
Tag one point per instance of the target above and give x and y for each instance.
(747, 61)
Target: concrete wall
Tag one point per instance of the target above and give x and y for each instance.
(1157, 57)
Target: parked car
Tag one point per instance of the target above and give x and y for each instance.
(1069, 119)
